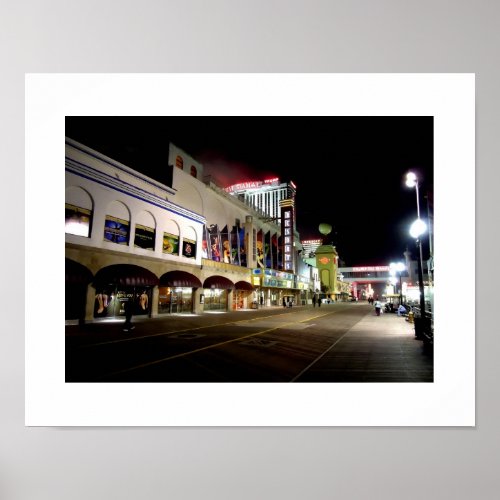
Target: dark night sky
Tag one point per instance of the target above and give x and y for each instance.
(349, 171)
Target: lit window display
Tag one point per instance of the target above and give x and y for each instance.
(77, 220)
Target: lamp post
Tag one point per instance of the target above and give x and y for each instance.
(394, 268)
(416, 230)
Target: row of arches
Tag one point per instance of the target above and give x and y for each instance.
(172, 292)
(120, 225)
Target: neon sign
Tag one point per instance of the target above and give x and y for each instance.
(241, 186)
(370, 268)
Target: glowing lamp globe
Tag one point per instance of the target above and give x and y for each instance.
(418, 228)
(325, 229)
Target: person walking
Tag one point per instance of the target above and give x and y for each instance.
(378, 307)
(314, 300)
(129, 310)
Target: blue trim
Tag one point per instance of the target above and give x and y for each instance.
(116, 165)
(134, 196)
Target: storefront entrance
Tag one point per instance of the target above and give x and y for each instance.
(175, 300)
(110, 301)
(215, 300)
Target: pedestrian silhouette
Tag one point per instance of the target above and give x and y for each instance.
(129, 310)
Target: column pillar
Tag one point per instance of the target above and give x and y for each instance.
(89, 303)
(155, 298)
(197, 305)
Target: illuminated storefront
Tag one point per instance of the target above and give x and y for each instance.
(274, 286)
(215, 293)
(176, 292)
(120, 283)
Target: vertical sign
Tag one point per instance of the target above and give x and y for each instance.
(287, 225)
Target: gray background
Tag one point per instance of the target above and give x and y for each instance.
(244, 36)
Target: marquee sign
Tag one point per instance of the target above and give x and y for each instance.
(287, 224)
(252, 185)
(370, 268)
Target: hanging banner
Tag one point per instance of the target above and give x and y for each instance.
(226, 246)
(205, 249)
(260, 249)
(235, 254)
(215, 246)
(242, 244)
(268, 259)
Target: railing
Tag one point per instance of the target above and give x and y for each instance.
(424, 326)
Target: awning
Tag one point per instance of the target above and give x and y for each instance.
(125, 275)
(218, 282)
(180, 279)
(77, 274)
(243, 285)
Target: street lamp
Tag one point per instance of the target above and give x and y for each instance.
(394, 268)
(416, 230)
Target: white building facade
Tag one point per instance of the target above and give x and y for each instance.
(185, 248)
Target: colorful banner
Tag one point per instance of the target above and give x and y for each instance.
(260, 249)
(189, 248)
(144, 237)
(242, 247)
(205, 249)
(215, 246)
(235, 254)
(170, 243)
(267, 250)
(274, 251)
(226, 246)
(116, 230)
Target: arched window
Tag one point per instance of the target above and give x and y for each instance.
(117, 223)
(78, 207)
(179, 163)
(171, 237)
(194, 172)
(145, 231)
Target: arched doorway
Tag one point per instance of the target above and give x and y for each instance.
(215, 291)
(120, 283)
(176, 292)
(77, 279)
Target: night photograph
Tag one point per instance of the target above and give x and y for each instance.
(249, 249)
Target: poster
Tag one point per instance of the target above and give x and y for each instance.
(170, 243)
(116, 230)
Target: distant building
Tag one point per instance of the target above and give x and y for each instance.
(264, 196)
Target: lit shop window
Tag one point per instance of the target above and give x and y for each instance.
(78, 220)
(179, 163)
